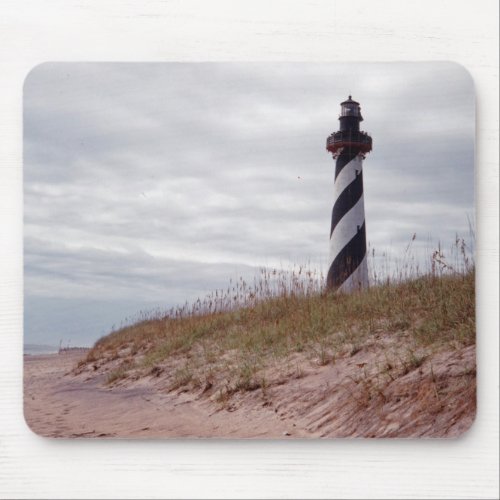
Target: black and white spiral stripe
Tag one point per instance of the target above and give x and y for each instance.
(348, 269)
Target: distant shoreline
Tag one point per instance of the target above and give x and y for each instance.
(40, 349)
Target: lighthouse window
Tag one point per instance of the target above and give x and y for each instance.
(350, 110)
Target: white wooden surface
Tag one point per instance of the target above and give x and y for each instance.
(32, 31)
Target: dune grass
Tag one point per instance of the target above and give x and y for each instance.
(283, 313)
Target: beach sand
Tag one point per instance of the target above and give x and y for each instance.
(60, 404)
(435, 400)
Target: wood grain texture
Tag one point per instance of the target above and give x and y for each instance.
(324, 30)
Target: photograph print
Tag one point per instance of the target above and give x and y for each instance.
(249, 250)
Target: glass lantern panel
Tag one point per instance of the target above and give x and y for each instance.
(350, 110)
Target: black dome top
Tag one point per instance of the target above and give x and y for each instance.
(350, 101)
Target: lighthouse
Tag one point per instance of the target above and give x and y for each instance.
(348, 270)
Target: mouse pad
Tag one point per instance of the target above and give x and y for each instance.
(249, 250)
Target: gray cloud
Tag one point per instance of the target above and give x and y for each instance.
(153, 183)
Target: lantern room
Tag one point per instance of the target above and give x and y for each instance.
(349, 137)
(350, 108)
(350, 115)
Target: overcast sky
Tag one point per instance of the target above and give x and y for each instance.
(150, 184)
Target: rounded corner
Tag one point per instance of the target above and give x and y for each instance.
(467, 75)
(465, 433)
(28, 425)
(33, 71)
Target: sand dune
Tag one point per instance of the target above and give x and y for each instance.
(341, 399)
